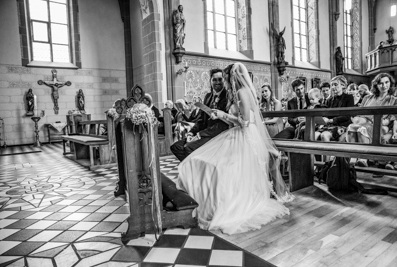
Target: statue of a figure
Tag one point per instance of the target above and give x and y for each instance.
(80, 101)
(178, 21)
(280, 44)
(390, 32)
(30, 102)
(339, 61)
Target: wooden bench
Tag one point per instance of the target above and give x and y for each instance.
(90, 147)
(301, 152)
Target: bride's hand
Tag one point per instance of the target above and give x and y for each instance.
(217, 114)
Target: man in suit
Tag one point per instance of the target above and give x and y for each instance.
(205, 128)
(301, 101)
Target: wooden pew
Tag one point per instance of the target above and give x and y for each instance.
(89, 147)
(301, 152)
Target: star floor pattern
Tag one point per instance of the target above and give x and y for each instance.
(54, 212)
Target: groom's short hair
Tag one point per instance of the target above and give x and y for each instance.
(213, 71)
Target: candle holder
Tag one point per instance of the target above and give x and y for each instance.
(36, 127)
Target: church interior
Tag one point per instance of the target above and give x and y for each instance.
(79, 183)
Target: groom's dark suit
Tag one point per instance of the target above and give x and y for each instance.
(206, 127)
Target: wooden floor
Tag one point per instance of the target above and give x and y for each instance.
(322, 229)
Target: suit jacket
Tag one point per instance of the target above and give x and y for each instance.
(292, 104)
(343, 101)
(204, 125)
(194, 116)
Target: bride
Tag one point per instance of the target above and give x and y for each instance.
(235, 177)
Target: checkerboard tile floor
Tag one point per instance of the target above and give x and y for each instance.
(53, 212)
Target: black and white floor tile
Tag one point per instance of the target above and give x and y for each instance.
(54, 212)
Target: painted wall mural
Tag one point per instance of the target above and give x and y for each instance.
(197, 79)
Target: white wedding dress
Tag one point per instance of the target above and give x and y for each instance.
(230, 181)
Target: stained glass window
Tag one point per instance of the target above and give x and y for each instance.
(299, 9)
(50, 30)
(221, 24)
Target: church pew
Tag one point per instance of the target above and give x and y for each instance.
(301, 152)
(91, 145)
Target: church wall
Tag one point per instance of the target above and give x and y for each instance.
(384, 21)
(194, 28)
(323, 25)
(260, 30)
(365, 46)
(136, 42)
(285, 18)
(102, 76)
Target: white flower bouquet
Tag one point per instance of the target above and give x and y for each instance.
(141, 114)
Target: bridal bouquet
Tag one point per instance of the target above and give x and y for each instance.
(141, 114)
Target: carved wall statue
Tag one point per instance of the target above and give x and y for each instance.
(280, 44)
(179, 21)
(30, 102)
(280, 49)
(81, 101)
(339, 61)
(390, 32)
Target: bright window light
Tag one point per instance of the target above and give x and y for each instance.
(393, 10)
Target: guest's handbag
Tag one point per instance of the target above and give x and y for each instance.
(342, 176)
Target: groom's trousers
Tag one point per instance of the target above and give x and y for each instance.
(182, 149)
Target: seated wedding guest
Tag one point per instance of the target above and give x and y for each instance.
(315, 98)
(205, 128)
(361, 128)
(352, 89)
(268, 102)
(325, 88)
(299, 102)
(363, 90)
(148, 100)
(180, 125)
(194, 111)
(336, 126)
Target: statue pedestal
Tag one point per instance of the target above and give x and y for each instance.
(179, 53)
(36, 126)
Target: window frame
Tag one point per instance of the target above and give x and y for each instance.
(226, 28)
(348, 64)
(26, 36)
(299, 31)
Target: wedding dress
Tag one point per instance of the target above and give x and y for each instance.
(235, 177)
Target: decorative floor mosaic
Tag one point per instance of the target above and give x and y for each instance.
(54, 212)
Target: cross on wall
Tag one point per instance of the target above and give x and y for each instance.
(54, 85)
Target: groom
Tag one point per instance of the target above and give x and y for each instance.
(205, 128)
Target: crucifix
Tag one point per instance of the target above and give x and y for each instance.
(54, 85)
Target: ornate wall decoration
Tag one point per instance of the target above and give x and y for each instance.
(312, 31)
(356, 34)
(242, 24)
(197, 78)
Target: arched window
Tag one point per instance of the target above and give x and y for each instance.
(228, 25)
(305, 26)
(49, 30)
(352, 34)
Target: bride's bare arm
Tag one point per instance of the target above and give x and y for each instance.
(244, 107)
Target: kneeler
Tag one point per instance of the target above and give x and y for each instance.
(180, 200)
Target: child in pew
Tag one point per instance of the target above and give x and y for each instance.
(315, 98)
